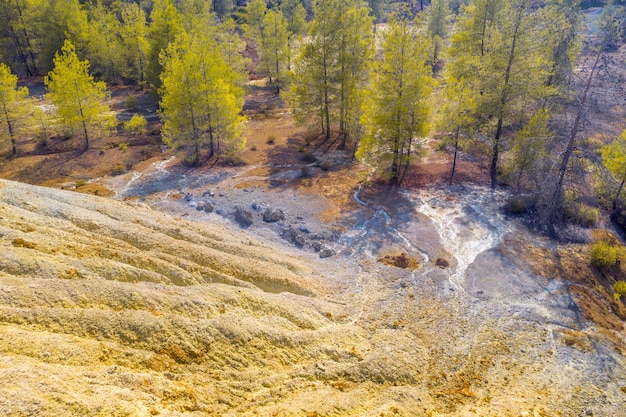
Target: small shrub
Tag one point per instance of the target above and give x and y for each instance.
(128, 164)
(136, 125)
(191, 160)
(233, 159)
(587, 216)
(326, 165)
(270, 139)
(130, 103)
(123, 146)
(579, 213)
(308, 157)
(118, 170)
(253, 147)
(515, 205)
(619, 290)
(80, 183)
(603, 255)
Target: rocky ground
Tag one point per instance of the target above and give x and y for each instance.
(113, 308)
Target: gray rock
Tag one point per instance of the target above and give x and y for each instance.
(259, 207)
(204, 205)
(317, 246)
(208, 193)
(243, 217)
(272, 216)
(304, 229)
(326, 252)
(299, 240)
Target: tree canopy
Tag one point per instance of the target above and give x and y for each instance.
(79, 100)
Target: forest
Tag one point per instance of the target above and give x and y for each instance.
(379, 78)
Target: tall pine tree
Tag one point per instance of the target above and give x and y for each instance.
(79, 100)
(201, 100)
(397, 108)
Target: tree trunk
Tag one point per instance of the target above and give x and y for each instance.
(553, 204)
(326, 105)
(85, 132)
(11, 133)
(619, 191)
(456, 150)
(493, 170)
(211, 139)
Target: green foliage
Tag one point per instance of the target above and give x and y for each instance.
(438, 16)
(14, 106)
(130, 103)
(136, 125)
(494, 50)
(96, 33)
(529, 155)
(578, 212)
(201, 101)
(270, 139)
(166, 23)
(118, 170)
(619, 289)
(79, 100)
(396, 109)
(134, 42)
(561, 43)
(519, 204)
(274, 47)
(330, 73)
(614, 159)
(612, 22)
(604, 255)
(253, 19)
(232, 47)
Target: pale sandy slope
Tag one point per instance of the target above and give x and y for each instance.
(112, 309)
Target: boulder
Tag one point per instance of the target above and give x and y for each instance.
(298, 239)
(204, 205)
(272, 216)
(326, 251)
(243, 217)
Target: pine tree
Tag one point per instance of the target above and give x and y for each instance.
(201, 101)
(437, 21)
(274, 47)
(134, 42)
(19, 36)
(456, 115)
(396, 110)
(96, 33)
(166, 24)
(356, 49)
(329, 74)
(313, 94)
(614, 159)
(561, 41)
(79, 100)
(495, 47)
(529, 157)
(231, 47)
(295, 14)
(14, 106)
